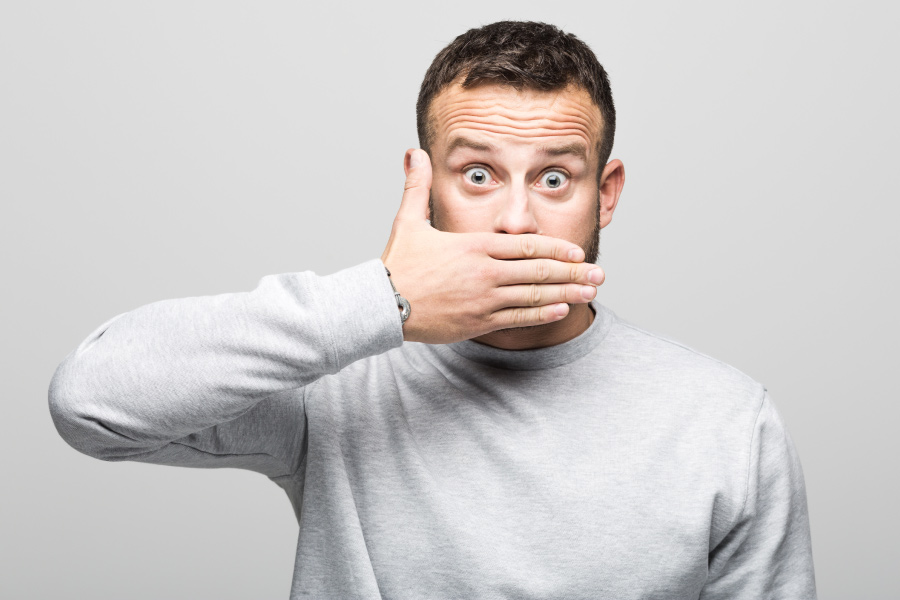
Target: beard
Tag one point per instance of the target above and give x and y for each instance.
(591, 247)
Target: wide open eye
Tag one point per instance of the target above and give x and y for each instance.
(478, 175)
(553, 179)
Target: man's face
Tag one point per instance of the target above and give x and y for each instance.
(509, 161)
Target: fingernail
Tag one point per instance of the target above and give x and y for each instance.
(415, 159)
(596, 276)
(576, 255)
(562, 310)
(588, 292)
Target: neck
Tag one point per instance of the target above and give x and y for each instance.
(574, 324)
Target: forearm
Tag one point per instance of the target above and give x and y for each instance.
(172, 368)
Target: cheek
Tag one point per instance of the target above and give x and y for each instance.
(573, 220)
(454, 212)
(579, 209)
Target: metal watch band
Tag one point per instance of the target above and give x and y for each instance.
(402, 303)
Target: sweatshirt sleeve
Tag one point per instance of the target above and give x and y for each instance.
(216, 381)
(768, 553)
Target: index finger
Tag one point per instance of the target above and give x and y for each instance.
(531, 245)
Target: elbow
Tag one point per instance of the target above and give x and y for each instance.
(78, 417)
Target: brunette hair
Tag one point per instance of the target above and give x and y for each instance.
(521, 54)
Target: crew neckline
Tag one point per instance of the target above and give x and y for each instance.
(540, 358)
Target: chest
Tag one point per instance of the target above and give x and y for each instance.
(532, 493)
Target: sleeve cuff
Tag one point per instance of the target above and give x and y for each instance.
(360, 312)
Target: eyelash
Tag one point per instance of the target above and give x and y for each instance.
(568, 177)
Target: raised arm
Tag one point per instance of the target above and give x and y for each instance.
(174, 368)
(214, 381)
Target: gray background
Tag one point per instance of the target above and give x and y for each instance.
(172, 149)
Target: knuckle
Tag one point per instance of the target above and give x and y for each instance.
(519, 316)
(541, 271)
(478, 313)
(560, 253)
(488, 302)
(488, 322)
(488, 273)
(527, 247)
(480, 243)
(575, 272)
(535, 294)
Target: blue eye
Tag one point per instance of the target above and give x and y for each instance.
(478, 175)
(553, 179)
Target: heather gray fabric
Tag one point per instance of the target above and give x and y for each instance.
(617, 465)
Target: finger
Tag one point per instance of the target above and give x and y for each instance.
(540, 295)
(545, 270)
(526, 317)
(532, 245)
(418, 185)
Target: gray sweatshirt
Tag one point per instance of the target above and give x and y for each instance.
(616, 465)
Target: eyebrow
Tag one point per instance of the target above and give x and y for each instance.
(464, 142)
(573, 148)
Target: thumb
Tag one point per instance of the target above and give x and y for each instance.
(417, 165)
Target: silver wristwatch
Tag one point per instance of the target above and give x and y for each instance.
(402, 303)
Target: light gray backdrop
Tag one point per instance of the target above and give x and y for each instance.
(172, 149)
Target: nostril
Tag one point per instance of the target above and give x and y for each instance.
(516, 225)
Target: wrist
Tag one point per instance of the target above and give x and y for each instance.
(402, 304)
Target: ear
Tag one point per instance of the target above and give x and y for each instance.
(611, 182)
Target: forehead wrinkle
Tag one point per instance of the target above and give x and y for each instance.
(560, 104)
(497, 117)
(549, 124)
(492, 96)
(537, 122)
(478, 111)
(542, 122)
(525, 133)
(451, 129)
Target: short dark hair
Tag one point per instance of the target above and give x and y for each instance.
(521, 54)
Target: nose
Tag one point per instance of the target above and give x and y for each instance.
(515, 215)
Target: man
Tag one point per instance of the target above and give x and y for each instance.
(524, 442)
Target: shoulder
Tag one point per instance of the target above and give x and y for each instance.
(654, 362)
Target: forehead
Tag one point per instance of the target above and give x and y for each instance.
(502, 114)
